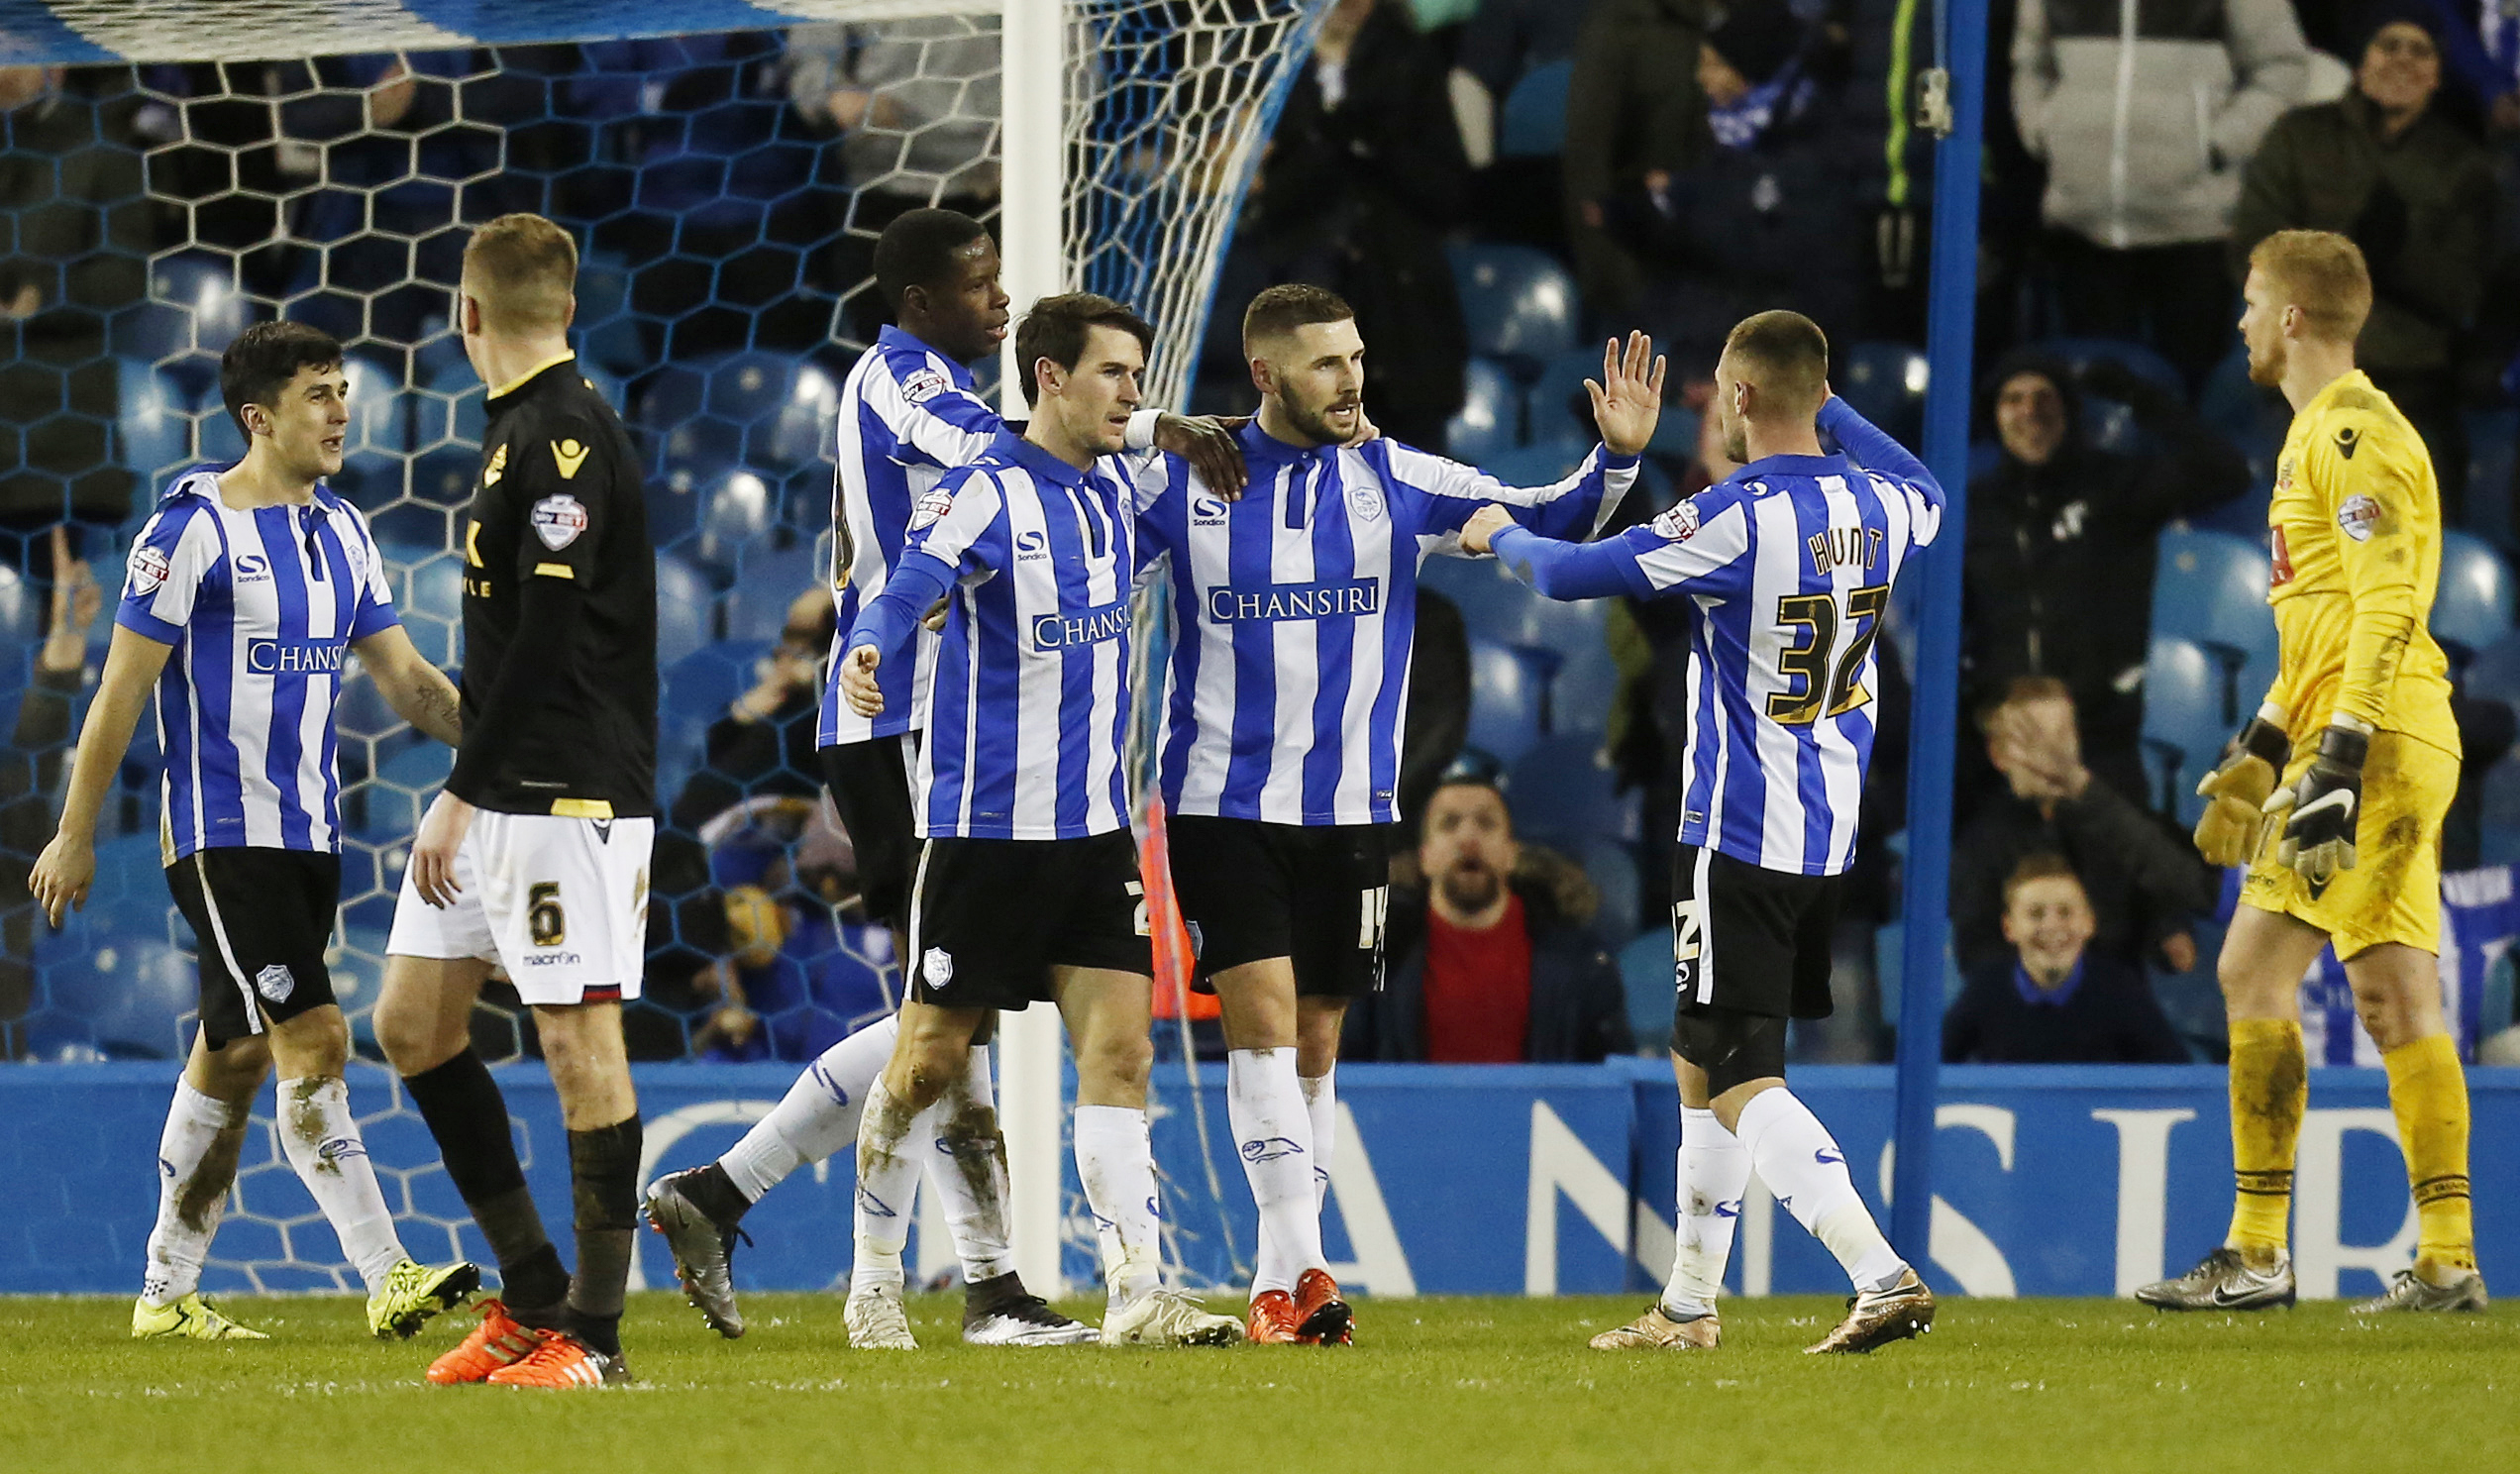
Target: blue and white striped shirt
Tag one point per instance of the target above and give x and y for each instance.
(261, 605)
(907, 416)
(1788, 567)
(1027, 712)
(1294, 611)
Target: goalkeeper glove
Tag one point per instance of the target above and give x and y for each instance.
(2319, 813)
(2234, 820)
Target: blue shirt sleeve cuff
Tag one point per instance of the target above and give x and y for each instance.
(141, 622)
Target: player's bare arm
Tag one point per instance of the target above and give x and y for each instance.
(67, 866)
(418, 691)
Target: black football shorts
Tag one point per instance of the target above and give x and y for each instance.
(1310, 892)
(991, 918)
(261, 921)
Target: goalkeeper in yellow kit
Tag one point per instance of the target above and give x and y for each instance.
(2334, 795)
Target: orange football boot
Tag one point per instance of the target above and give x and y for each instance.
(1273, 1319)
(562, 1360)
(498, 1340)
(1323, 1319)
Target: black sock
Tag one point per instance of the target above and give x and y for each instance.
(603, 1171)
(468, 1115)
(713, 1193)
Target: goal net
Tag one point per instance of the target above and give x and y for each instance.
(726, 189)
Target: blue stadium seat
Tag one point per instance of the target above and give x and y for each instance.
(2494, 675)
(1584, 688)
(2185, 726)
(428, 589)
(1532, 121)
(736, 507)
(2242, 410)
(376, 453)
(1612, 868)
(683, 609)
(2494, 444)
(195, 311)
(2210, 588)
(1491, 415)
(1645, 973)
(1885, 382)
(1516, 303)
(2142, 360)
(769, 581)
(155, 424)
(2472, 608)
(1557, 408)
(1493, 604)
(1563, 794)
(1538, 464)
(112, 980)
(1505, 702)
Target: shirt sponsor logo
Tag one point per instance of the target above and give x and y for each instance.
(1208, 511)
(1343, 599)
(293, 657)
(276, 982)
(1679, 524)
(2358, 516)
(1033, 546)
(932, 509)
(149, 571)
(1091, 627)
(924, 386)
(557, 520)
(569, 455)
(253, 567)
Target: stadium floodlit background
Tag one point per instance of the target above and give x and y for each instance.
(1495, 183)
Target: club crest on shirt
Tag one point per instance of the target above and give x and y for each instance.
(936, 968)
(276, 982)
(148, 570)
(1367, 500)
(932, 509)
(924, 386)
(2358, 516)
(1679, 524)
(557, 520)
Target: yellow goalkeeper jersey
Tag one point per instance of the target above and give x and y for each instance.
(2357, 519)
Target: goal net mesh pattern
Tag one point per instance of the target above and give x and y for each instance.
(726, 189)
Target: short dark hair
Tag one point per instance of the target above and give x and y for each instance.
(1283, 309)
(1057, 329)
(2042, 865)
(918, 249)
(1467, 779)
(263, 359)
(1788, 353)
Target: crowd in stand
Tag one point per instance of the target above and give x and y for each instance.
(1689, 161)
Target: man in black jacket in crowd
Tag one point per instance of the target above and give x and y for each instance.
(2060, 544)
(1489, 965)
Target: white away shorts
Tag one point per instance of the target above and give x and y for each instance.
(560, 904)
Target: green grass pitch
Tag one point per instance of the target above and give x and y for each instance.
(1434, 1384)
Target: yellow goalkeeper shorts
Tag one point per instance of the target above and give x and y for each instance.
(2393, 891)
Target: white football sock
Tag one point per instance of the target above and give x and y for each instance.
(323, 1143)
(818, 1116)
(1802, 1165)
(1715, 1170)
(1273, 1135)
(1117, 1162)
(1320, 1102)
(196, 1169)
(966, 1169)
(888, 1162)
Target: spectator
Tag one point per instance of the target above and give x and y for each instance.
(1493, 966)
(764, 743)
(1363, 176)
(30, 769)
(75, 243)
(2059, 529)
(1505, 41)
(2146, 115)
(2144, 884)
(2050, 1000)
(1633, 108)
(2384, 166)
(802, 969)
(1772, 216)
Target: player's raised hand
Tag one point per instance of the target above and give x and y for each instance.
(434, 848)
(62, 876)
(1479, 534)
(857, 681)
(1627, 397)
(1208, 445)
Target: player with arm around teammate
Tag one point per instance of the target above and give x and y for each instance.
(1280, 756)
(1027, 887)
(1787, 567)
(245, 591)
(909, 413)
(2334, 795)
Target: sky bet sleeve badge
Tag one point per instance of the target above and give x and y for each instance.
(557, 520)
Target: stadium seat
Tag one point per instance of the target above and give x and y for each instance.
(1563, 794)
(1505, 702)
(1518, 303)
(1645, 973)
(1612, 868)
(1538, 464)
(1584, 688)
(736, 509)
(1491, 415)
(1885, 382)
(683, 609)
(1556, 408)
(697, 691)
(768, 582)
(2142, 362)
(156, 426)
(2242, 410)
(2210, 588)
(2184, 727)
(428, 589)
(1493, 604)
(1532, 121)
(2494, 441)
(112, 980)
(194, 310)
(2494, 673)
(2472, 608)
(379, 446)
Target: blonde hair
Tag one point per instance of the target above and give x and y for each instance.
(1787, 359)
(523, 269)
(2322, 273)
